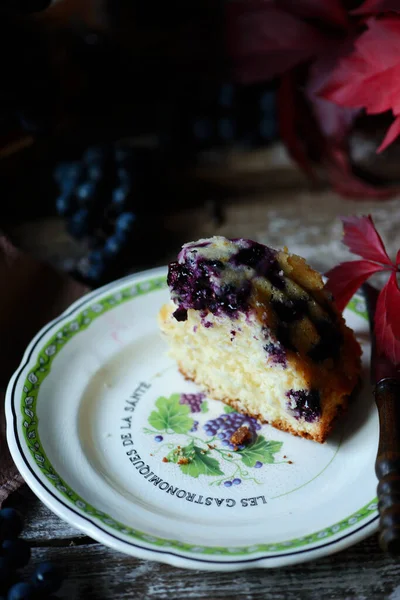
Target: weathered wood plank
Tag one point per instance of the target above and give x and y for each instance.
(98, 573)
(41, 525)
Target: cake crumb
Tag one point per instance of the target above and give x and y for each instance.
(290, 462)
(284, 456)
(151, 454)
(241, 436)
(165, 459)
(183, 461)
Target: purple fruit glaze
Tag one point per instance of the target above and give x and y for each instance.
(305, 404)
(195, 285)
(262, 259)
(196, 282)
(277, 353)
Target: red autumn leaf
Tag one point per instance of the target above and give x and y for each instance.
(288, 109)
(372, 66)
(346, 278)
(387, 323)
(376, 6)
(263, 40)
(392, 133)
(361, 237)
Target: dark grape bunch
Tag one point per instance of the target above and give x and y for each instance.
(225, 426)
(100, 197)
(194, 401)
(229, 115)
(15, 554)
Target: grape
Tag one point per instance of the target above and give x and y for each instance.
(114, 244)
(61, 171)
(78, 224)
(22, 591)
(158, 438)
(95, 172)
(17, 551)
(85, 192)
(236, 481)
(96, 256)
(64, 205)
(125, 221)
(10, 523)
(67, 175)
(258, 465)
(124, 177)
(47, 578)
(195, 426)
(120, 196)
(194, 401)
(228, 483)
(226, 425)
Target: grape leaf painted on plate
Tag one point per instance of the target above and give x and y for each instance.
(204, 406)
(261, 450)
(228, 409)
(171, 415)
(200, 463)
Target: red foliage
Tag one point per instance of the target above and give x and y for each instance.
(362, 238)
(337, 60)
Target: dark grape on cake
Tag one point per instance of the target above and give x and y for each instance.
(255, 328)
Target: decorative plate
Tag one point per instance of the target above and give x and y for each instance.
(100, 424)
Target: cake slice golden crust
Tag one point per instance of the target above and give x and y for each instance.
(256, 329)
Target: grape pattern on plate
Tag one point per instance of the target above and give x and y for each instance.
(206, 447)
(225, 426)
(194, 401)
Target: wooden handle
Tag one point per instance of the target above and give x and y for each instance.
(387, 466)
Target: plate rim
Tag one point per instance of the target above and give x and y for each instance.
(67, 512)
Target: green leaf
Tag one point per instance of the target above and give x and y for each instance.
(228, 409)
(171, 415)
(261, 450)
(204, 406)
(199, 461)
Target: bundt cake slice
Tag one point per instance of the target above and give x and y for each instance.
(255, 328)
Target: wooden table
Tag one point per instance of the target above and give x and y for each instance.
(307, 223)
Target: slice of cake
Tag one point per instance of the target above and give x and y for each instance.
(256, 328)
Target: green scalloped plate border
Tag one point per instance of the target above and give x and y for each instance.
(30, 424)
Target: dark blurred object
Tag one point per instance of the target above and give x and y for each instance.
(23, 6)
(178, 35)
(29, 91)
